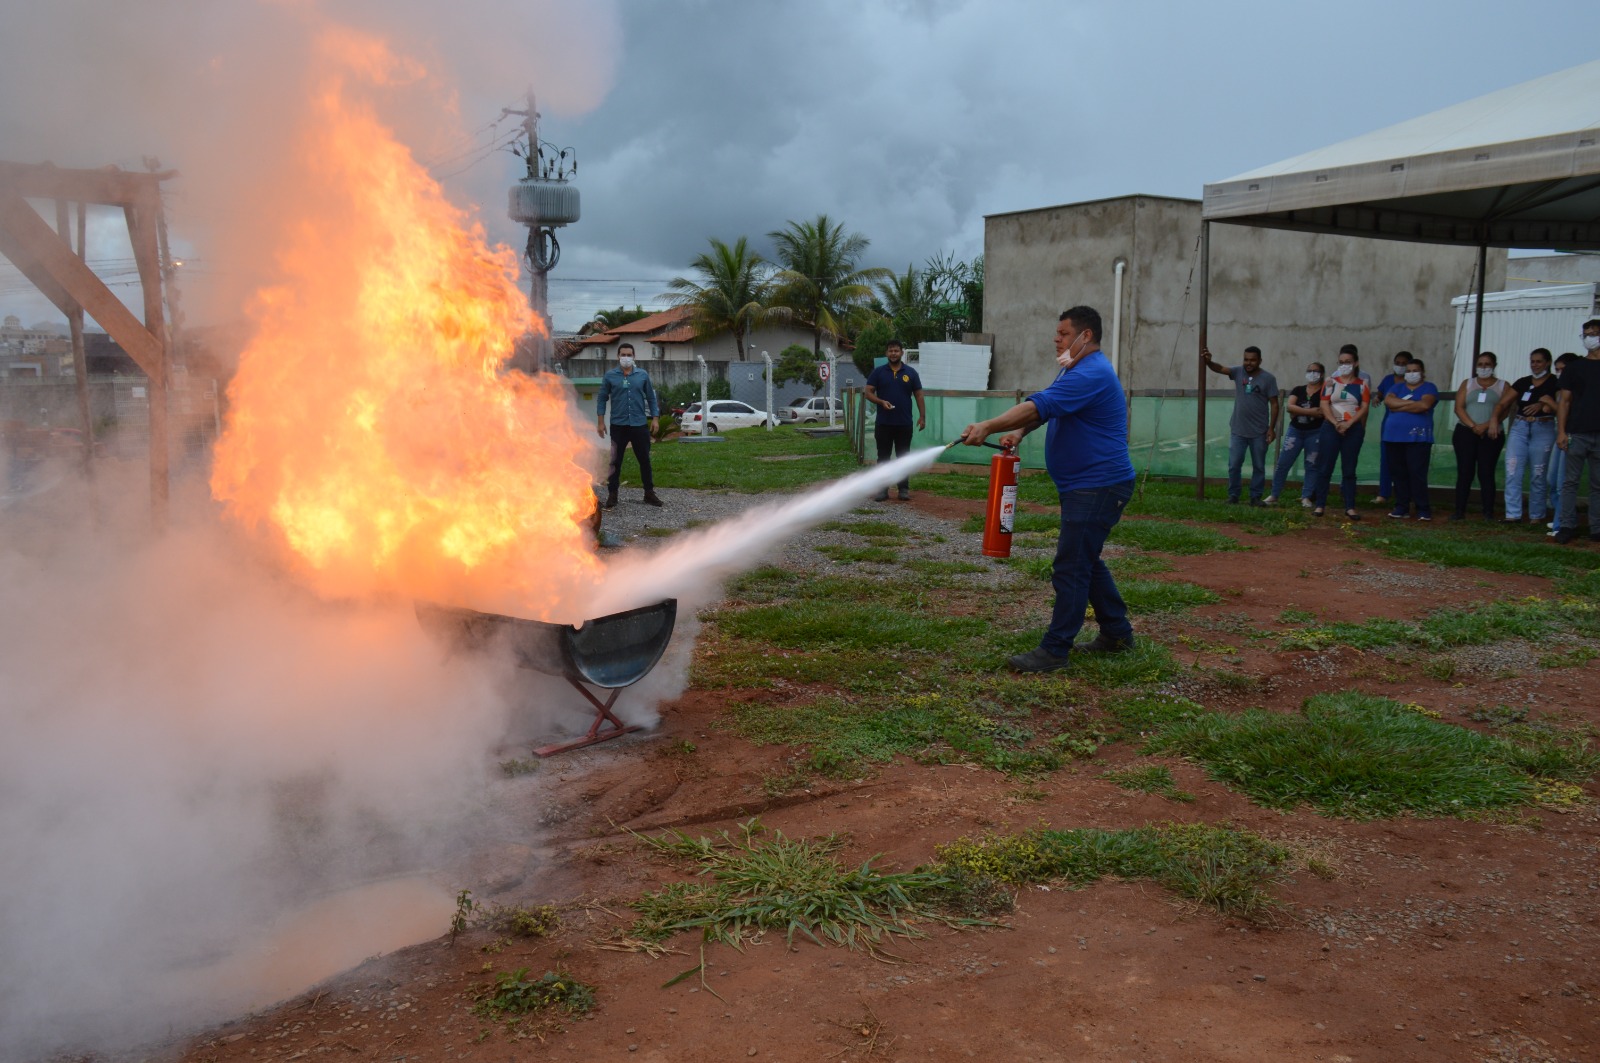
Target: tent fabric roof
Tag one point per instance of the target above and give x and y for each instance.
(1516, 168)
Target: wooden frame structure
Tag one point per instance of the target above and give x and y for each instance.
(47, 258)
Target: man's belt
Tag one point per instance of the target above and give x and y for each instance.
(1536, 420)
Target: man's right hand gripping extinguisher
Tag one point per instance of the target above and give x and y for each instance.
(1000, 518)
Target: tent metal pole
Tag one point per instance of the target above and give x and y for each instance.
(1477, 316)
(1205, 318)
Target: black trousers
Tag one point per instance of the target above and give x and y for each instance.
(1476, 456)
(1408, 464)
(895, 437)
(621, 436)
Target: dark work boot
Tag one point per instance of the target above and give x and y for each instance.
(1103, 643)
(651, 499)
(1037, 659)
(611, 499)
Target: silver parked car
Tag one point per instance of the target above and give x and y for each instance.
(810, 411)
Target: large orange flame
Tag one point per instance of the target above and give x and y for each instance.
(371, 428)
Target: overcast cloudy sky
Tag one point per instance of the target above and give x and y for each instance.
(907, 119)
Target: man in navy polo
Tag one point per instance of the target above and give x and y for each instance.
(1086, 452)
(891, 388)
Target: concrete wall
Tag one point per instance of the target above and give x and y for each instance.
(748, 382)
(1537, 271)
(1294, 295)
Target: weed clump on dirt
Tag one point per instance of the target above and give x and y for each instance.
(1361, 756)
(1151, 779)
(1216, 865)
(514, 995)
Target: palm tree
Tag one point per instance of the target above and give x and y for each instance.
(907, 300)
(731, 292)
(820, 283)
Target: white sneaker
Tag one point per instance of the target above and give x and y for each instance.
(1270, 500)
(1551, 533)
(1305, 503)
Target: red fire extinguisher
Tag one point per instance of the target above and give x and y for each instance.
(1000, 517)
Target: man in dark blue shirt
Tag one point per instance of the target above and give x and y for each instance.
(891, 388)
(1086, 452)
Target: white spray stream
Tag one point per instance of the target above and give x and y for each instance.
(689, 567)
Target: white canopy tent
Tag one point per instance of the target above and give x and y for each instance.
(1516, 168)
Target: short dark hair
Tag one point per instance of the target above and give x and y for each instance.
(1253, 350)
(620, 346)
(1494, 359)
(1418, 362)
(1320, 367)
(1593, 322)
(1539, 350)
(1567, 358)
(894, 343)
(1350, 349)
(1084, 318)
(1403, 356)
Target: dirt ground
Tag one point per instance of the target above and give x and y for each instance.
(1441, 939)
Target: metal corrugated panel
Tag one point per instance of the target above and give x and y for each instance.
(1514, 323)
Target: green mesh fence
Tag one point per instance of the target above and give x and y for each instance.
(1162, 432)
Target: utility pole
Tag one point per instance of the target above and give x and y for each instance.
(543, 201)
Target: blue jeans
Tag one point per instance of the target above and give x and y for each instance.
(1346, 449)
(1528, 446)
(1295, 443)
(1558, 469)
(1079, 577)
(1257, 445)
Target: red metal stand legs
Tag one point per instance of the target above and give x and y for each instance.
(597, 731)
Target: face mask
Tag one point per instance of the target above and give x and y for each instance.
(1413, 378)
(1399, 369)
(1485, 372)
(1539, 374)
(1591, 343)
(625, 362)
(1312, 378)
(1344, 370)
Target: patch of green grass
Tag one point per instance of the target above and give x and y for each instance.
(750, 885)
(1145, 596)
(1137, 564)
(1356, 755)
(876, 529)
(1572, 658)
(846, 737)
(1139, 714)
(736, 465)
(1168, 537)
(1147, 663)
(1490, 549)
(849, 555)
(1151, 779)
(1037, 489)
(810, 623)
(1297, 616)
(1220, 866)
(1476, 625)
(520, 920)
(514, 994)
(721, 661)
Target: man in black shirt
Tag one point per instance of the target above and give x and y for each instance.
(1578, 434)
(1531, 405)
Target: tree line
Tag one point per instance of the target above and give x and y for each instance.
(818, 283)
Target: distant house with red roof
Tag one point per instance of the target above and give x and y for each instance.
(666, 344)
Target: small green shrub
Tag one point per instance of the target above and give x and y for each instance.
(514, 994)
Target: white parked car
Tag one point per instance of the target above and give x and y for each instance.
(724, 415)
(810, 411)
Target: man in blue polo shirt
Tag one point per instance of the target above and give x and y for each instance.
(890, 388)
(1086, 452)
